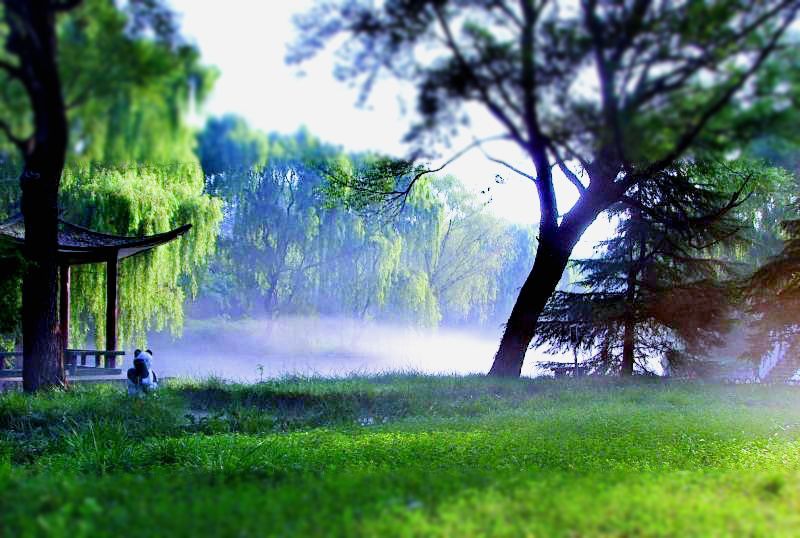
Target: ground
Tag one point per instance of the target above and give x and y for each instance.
(403, 456)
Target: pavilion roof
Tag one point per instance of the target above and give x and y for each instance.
(78, 245)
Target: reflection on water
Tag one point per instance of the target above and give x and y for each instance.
(252, 349)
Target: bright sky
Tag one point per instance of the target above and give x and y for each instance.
(246, 40)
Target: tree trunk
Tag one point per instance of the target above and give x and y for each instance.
(629, 325)
(556, 242)
(551, 260)
(32, 39)
(42, 342)
(43, 358)
(636, 259)
(627, 348)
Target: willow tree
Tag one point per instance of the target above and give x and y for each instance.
(131, 79)
(131, 83)
(128, 83)
(609, 93)
(287, 250)
(141, 200)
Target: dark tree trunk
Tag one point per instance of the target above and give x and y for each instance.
(629, 325)
(32, 39)
(556, 242)
(629, 328)
(42, 343)
(42, 348)
(627, 348)
(551, 260)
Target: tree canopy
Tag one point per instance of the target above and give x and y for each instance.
(609, 93)
(130, 82)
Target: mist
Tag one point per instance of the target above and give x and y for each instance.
(255, 349)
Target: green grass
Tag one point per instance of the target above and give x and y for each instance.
(403, 455)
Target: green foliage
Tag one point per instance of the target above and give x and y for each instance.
(653, 89)
(141, 200)
(227, 145)
(129, 82)
(402, 455)
(773, 304)
(373, 183)
(610, 93)
(774, 298)
(12, 265)
(299, 239)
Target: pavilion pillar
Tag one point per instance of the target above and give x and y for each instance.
(63, 305)
(112, 308)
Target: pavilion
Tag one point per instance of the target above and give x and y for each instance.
(78, 246)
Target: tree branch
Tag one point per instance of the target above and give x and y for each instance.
(537, 148)
(645, 90)
(19, 142)
(64, 5)
(493, 107)
(508, 12)
(453, 158)
(607, 73)
(689, 136)
(505, 163)
(570, 175)
(395, 200)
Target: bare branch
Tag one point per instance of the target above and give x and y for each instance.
(504, 163)
(570, 175)
(457, 155)
(395, 200)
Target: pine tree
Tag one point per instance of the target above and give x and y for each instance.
(774, 298)
(657, 291)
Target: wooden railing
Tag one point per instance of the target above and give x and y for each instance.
(568, 370)
(8, 359)
(75, 362)
(108, 358)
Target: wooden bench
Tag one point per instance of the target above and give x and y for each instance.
(568, 370)
(105, 363)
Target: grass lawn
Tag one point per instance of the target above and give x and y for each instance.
(403, 456)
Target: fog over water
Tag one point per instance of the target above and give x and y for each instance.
(237, 350)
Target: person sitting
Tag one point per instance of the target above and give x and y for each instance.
(142, 378)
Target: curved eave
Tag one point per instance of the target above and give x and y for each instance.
(107, 247)
(77, 255)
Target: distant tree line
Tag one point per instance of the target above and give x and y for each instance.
(286, 248)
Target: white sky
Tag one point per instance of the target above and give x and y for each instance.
(246, 40)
